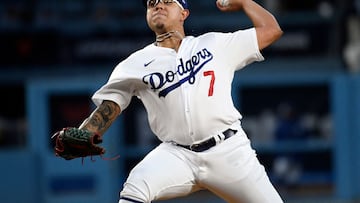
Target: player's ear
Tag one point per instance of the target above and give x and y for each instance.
(184, 14)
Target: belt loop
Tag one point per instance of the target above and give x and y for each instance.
(218, 138)
(221, 136)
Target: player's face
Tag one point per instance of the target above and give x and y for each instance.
(164, 15)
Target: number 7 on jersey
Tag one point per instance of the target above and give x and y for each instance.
(212, 81)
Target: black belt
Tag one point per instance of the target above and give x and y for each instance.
(207, 144)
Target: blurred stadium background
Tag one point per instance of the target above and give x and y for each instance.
(301, 106)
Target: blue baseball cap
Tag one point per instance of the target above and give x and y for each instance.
(183, 3)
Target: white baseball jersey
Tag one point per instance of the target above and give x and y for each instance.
(187, 94)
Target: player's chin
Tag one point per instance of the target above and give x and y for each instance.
(157, 20)
(156, 26)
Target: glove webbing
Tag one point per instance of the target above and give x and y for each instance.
(81, 134)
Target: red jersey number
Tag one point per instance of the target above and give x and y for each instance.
(212, 81)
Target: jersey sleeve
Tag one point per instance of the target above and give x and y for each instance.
(119, 88)
(240, 48)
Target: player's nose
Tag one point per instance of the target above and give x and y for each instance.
(160, 5)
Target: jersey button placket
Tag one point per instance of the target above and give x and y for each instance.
(186, 90)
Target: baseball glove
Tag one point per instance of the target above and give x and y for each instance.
(71, 143)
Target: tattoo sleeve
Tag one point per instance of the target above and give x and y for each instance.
(102, 117)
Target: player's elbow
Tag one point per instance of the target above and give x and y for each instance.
(277, 33)
(273, 29)
(268, 35)
(273, 32)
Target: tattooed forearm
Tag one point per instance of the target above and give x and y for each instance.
(102, 118)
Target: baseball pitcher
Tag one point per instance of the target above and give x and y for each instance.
(184, 83)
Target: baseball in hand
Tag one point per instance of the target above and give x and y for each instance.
(224, 3)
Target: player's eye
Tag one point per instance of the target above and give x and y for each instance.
(168, 1)
(152, 3)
